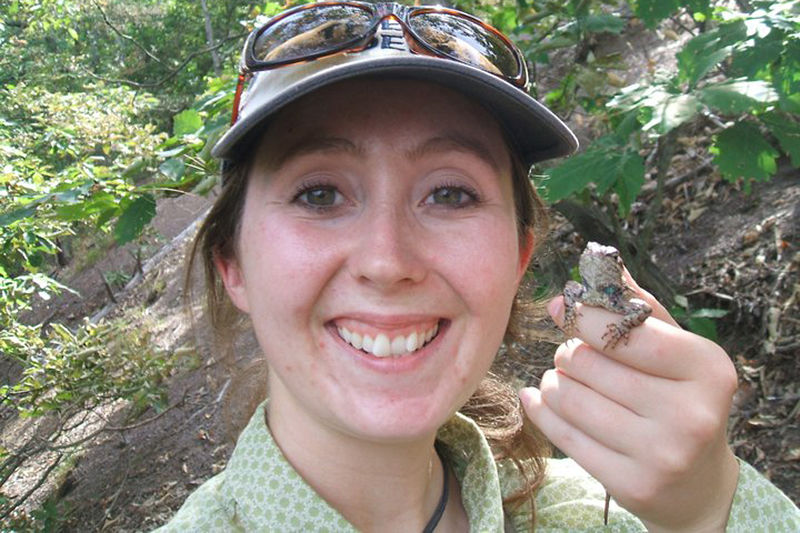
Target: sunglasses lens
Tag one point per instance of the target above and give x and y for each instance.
(466, 41)
(311, 31)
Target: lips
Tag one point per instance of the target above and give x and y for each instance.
(387, 344)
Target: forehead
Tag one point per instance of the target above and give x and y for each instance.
(375, 113)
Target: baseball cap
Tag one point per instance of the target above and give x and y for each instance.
(536, 132)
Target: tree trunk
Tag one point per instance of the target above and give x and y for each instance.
(210, 39)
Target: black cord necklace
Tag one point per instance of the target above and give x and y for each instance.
(439, 511)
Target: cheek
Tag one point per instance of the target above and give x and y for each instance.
(286, 265)
(484, 265)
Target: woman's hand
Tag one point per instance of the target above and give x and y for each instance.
(647, 418)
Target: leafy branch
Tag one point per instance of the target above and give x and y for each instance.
(172, 73)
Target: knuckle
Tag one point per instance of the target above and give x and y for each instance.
(720, 370)
(562, 356)
(728, 381)
(702, 425)
(549, 387)
(643, 491)
(576, 358)
(672, 462)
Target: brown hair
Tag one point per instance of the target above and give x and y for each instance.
(495, 406)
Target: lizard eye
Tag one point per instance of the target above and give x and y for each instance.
(610, 290)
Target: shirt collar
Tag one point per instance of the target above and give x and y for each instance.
(265, 492)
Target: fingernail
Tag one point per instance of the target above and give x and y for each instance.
(528, 394)
(556, 309)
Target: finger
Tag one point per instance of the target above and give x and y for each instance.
(605, 421)
(602, 463)
(642, 393)
(654, 347)
(659, 311)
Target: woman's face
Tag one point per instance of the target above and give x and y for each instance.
(377, 214)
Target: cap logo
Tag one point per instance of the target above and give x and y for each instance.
(390, 35)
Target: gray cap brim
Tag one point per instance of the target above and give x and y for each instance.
(537, 133)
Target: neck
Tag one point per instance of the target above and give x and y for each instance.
(372, 484)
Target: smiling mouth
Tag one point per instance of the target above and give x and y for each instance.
(382, 345)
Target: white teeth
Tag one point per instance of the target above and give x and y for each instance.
(399, 345)
(411, 343)
(356, 340)
(382, 346)
(367, 346)
(431, 333)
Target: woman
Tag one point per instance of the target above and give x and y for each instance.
(375, 223)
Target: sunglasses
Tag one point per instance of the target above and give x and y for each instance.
(322, 29)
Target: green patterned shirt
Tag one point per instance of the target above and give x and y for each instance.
(260, 491)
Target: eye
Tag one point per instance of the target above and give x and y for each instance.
(610, 290)
(318, 196)
(453, 196)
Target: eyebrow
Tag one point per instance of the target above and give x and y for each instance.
(450, 141)
(312, 145)
(453, 141)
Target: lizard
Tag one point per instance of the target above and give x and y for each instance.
(603, 285)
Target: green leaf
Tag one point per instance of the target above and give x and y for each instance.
(135, 168)
(603, 23)
(755, 55)
(671, 112)
(71, 212)
(18, 214)
(786, 78)
(608, 162)
(698, 7)
(105, 216)
(705, 327)
(654, 11)
(505, 19)
(631, 179)
(627, 125)
(186, 122)
(787, 131)
(173, 168)
(739, 96)
(741, 151)
(73, 34)
(705, 51)
(134, 218)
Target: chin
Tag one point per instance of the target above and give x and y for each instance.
(397, 420)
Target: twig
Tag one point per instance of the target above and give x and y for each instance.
(138, 257)
(108, 287)
(678, 180)
(171, 74)
(147, 420)
(538, 16)
(114, 498)
(666, 149)
(677, 20)
(126, 37)
(33, 489)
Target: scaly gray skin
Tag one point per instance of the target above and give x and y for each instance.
(602, 285)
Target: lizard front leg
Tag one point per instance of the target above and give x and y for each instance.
(636, 312)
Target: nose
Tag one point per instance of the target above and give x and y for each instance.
(389, 251)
